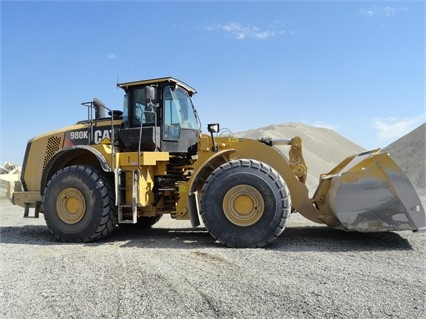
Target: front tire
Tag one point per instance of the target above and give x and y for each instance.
(245, 203)
(79, 205)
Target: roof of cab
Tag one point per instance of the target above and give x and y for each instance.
(158, 80)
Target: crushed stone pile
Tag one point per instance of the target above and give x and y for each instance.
(9, 175)
(322, 148)
(409, 152)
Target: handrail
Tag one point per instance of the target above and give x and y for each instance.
(95, 105)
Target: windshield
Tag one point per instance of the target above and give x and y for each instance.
(178, 109)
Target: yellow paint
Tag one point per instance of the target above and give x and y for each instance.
(19, 198)
(105, 141)
(146, 159)
(70, 205)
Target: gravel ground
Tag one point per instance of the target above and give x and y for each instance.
(173, 271)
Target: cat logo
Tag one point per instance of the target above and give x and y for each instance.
(102, 137)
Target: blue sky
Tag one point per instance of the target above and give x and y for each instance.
(357, 67)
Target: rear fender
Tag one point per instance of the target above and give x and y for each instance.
(79, 154)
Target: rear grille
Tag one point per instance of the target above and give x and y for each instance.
(53, 145)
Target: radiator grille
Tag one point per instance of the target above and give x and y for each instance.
(53, 144)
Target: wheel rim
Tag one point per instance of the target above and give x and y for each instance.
(71, 205)
(243, 205)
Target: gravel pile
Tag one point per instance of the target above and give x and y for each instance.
(322, 148)
(409, 152)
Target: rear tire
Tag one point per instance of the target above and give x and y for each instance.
(79, 204)
(245, 203)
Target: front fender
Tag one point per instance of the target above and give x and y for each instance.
(73, 155)
(203, 168)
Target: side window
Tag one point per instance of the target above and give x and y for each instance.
(179, 113)
(126, 111)
(144, 111)
(172, 116)
(171, 120)
(138, 106)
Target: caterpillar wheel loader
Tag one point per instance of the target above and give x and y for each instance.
(150, 159)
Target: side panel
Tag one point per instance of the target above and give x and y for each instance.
(40, 152)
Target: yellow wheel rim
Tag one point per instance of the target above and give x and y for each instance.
(70, 205)
(243, 205)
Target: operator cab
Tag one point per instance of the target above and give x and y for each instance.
(158, 115)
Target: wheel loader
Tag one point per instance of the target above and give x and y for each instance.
(134, 165)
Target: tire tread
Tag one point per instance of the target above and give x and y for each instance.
(108, 218)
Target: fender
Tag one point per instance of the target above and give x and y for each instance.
(68, 156)
(207, 166)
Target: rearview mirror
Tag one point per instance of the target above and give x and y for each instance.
(213, 128)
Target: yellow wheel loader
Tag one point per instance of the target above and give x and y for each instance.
(150, 159)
